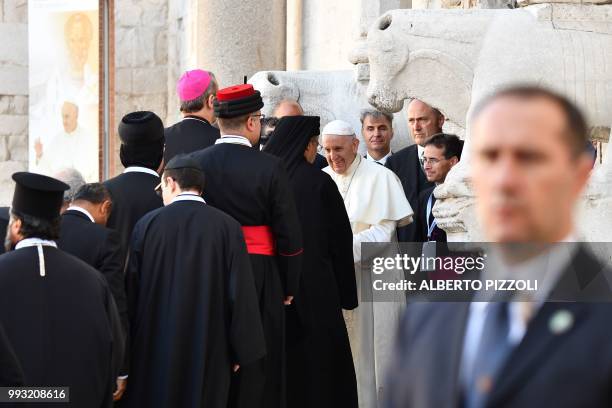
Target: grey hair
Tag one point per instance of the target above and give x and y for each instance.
(376, 114)
(73, 178)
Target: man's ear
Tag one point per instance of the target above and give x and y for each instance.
(107, 206)
(210, 101)
(441, 120)
(15, 227)
(453, 160)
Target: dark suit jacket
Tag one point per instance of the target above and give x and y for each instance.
(405, 164)
(571, 369)
(189, 135)
(99, 247)
(438, 234)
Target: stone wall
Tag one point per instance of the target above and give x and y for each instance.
(13, 93)
(141, 60)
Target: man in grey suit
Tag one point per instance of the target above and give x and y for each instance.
(529, 168)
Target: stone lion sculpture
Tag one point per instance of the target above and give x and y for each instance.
(450, 59)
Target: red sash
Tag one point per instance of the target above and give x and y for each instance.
(259, 240)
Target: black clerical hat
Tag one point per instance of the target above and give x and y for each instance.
(140, 128)
(37, 195)
(182, 161)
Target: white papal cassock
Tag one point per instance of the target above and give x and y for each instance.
(376, 205)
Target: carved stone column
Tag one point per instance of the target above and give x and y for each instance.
(234, 38)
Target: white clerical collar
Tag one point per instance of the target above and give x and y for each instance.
(188, 197)
(38, 243)
(138, 169)
(81, 210)
(382, 160)
(191, 117)
(234, 139)
(30, 242)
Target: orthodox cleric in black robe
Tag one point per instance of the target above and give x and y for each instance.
(320, 370)
(252, 187)
(193, 303)
(57, 311)
(133, 191)
(191, 134)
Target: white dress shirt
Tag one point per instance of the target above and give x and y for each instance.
(382, 160)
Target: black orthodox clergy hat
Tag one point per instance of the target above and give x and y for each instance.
(236, 101)
(141, 127)
(182, 161)
(37, 195)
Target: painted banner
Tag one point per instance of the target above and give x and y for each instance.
(64, 87)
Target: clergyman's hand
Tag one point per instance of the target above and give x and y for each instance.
(121, 385)
(236, 367)
(288, 300)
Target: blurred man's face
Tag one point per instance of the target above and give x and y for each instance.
(311, 149)
(70, 116)
(524, 175)
(340, 151)
(437, 166)
(377, 133)
(78, 37)
(423, 121)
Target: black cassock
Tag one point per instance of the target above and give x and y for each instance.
(252, 187)
(133, 196)
(319, 361)
(193, 307)
(189, 135)
(64, 326)
(100, 248)
(4, 218)
(10, 369)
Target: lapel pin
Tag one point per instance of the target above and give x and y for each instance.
(561, 321)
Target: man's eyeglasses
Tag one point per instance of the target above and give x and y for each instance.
(261, 116)
(431, 160)
(158, 190)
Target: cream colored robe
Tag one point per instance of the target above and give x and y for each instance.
(376, 205)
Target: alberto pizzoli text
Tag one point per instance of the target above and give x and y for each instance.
(458, 285)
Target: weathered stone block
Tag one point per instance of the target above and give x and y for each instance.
(127, 14)
(19, 105)
(13, 124)
(14, 44)
(7, 168)
(5, 103)
(161, 48)
(123, 80)
(15, 11)
(147, 81)
(125, 47)
(17, 146)
(144, 53)
(155, 15)
(13, 80)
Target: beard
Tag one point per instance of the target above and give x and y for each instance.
(8, 242)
